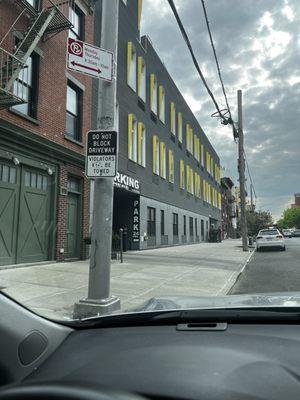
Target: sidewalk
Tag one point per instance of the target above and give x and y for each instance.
(204, 269)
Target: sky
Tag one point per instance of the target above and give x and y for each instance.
(258, 47)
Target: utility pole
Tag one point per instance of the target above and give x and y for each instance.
(251, 197)
(99, 300)
(241, 163)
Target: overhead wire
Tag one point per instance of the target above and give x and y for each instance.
(216, 59)
(185, 37)
(249, 174)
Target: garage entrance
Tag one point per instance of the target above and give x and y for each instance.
(25, 222)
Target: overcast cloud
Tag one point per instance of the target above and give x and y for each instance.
(258, 46)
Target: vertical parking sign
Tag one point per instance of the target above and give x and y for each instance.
(101, 154)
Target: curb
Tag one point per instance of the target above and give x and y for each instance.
(232, 281)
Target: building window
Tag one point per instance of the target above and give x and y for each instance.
(197, 148)
(190, 179)
(74, 184)
(208, 162)
(73, 112)
(172, 118)
(155, 155)
(163, 161)
(197, 184)
(7, 174)
(25, 87)
(161, 103)
(175, 224)
(141, 148)
(153, 94)
(196, 227)
(171, 166)
(191, 139)
(162, 222)
(151, 221)
(184, 225)
(191, 227)
(181, 175)
(179, 126)
(36, 181)
(132, 138)
(142, 79)
(212, 167)
(202, 229)
(76, 17)
(131, 66)
(33, 3)
(202, 155)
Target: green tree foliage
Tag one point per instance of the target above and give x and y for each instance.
(290, 219)
(257, 220)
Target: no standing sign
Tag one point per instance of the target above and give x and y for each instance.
(101, 154)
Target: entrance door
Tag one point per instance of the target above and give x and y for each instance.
(73, 220)
(9, 202)
(34, 216)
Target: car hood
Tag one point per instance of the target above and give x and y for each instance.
(291, 299)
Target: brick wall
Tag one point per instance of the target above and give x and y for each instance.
(51, 111)
(52, 82)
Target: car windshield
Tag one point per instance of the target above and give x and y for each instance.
(269, 232)
(145, 146)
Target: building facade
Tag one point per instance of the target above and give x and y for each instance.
(45, 111)
(228, 209)
(297, 201)
(167, 190)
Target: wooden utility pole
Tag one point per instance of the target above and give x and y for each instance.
(241, 164)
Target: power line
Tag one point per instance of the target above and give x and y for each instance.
(185, 36)
(248, 169)
(216, 59)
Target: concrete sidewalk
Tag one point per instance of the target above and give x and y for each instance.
(204, 269)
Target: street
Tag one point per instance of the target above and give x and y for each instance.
(272, 271)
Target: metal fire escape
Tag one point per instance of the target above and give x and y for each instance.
(42, 24)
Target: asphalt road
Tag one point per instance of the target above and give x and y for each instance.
(271, 271)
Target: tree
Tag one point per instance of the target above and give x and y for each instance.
(290, 218)
(258, 220)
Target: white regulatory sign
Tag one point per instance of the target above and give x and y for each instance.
(101, 154)
(89, 60)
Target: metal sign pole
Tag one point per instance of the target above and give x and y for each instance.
(99, 300)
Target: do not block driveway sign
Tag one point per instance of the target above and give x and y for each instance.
(101, 154)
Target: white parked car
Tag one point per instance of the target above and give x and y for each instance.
(269, 238)
(287, 233)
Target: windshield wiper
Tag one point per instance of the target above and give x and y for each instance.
(262, 315)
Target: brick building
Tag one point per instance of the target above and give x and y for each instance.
(45, 112)
(297, 201)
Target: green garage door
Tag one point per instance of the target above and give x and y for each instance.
(9, 204)
(24, 215)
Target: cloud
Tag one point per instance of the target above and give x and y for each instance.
(258, 46)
